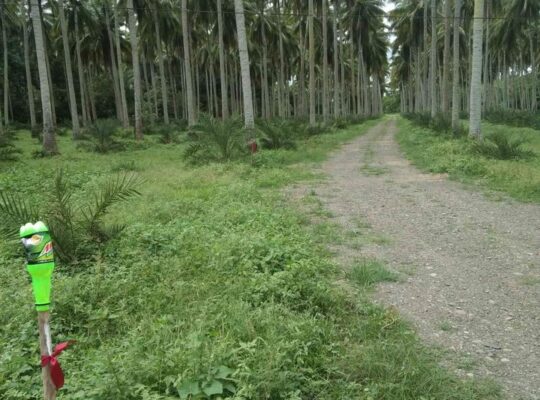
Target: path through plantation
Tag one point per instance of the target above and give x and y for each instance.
(469, 265)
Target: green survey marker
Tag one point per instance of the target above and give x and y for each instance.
(38, 246)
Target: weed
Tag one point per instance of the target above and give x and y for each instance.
(368, 272)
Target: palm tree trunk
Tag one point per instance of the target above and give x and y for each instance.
(336, 62)
(325, 61)
(301, 73)
(69, 73)
(29, 86)
(119, 64)
(222, 73)
(6, 65)
(456, 98)
(533, 73)
(312, 120)
(114, 71)
(425, 62)
(475, 128)
(80, 71)
(164, 96)
(153, 78)
(265, 97)
(49, 138)
(244, 65)
(136, 70)
(173, 86)
(432, 64)
(187, 66)
(446, 56)
(281, 84)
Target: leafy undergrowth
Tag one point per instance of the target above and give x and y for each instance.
(462, 160)
(215, 289)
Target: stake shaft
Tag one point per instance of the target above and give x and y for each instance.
(45, 347)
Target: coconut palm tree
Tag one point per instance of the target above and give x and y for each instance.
(3, 7)
(456, 97)
(249, 118)
(446, 56)
(49, 139)
(187, 66)
(28, 73)
(136, 70)
(69, 72)
(222, 73)
(475, 129)
(312, 94)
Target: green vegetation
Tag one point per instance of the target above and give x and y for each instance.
(214, 289)
(461, 159)
(368, 272)
(517, 118)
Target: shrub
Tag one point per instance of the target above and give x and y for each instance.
(75, 230)
(8, 152)
(215, 140)
(277, 135)
(521, 119)
(501, 147)
(102, 137)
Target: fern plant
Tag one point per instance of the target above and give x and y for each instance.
(76, 229)
(215, 140)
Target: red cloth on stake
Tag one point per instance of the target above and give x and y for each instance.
(57, 375)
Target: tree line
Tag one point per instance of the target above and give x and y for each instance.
(154, 61)
(475, 56)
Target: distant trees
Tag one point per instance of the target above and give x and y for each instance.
(506, 33)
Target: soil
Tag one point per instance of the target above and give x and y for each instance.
(469, 264)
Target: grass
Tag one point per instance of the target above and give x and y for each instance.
(369, 272)
(215, 283)
(439, 153)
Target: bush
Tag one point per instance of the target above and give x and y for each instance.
(168, 134)
(8, 152)
(277, 134)
(75, 230)
(521, 119)
(499, 146)
(441, 123)
(214, 140)
(99, 137)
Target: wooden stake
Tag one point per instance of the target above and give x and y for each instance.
(45, 347)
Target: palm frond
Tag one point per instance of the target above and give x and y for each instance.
(14, 212)
(118, 189)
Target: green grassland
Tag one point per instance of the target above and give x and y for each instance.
(441, 153)
(217, 286)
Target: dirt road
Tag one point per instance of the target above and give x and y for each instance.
(470, 266)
